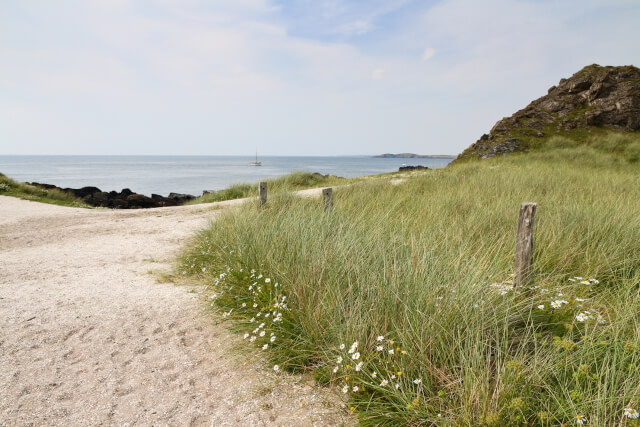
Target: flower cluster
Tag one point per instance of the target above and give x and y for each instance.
(504, 287)
(379, 370)
(262, 303)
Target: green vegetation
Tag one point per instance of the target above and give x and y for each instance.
(625, 144)
(9, 187)
(292, 182)
(423, 268)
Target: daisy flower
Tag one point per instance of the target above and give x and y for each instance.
(266, 346)
(339, 359)
(245, 336)
(417, 381)
(580, 419)
(384, 383)
(345, 389)
(581, 317)
(379, 348)
(356, 356)
(276, 368)
(541, 307)
(380, 338)
(355, 388)
(336, 369)
(342, 346)
(359, 366)
(631, 413)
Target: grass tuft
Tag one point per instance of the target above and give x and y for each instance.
(9, 187)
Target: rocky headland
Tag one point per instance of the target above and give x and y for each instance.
(596, 96)
(125, 199)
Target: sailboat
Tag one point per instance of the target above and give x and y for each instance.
(256, 163)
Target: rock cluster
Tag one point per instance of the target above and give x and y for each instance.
(411, 168)
(594, 96)
(126, 199)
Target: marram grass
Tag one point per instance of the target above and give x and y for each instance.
(401, 297)
(10, 187)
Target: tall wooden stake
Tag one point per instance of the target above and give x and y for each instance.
(327, 197)
(524, 245)
(262, 193)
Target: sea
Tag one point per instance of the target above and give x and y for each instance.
(187, 174)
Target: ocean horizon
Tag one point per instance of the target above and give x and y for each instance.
(164, 174)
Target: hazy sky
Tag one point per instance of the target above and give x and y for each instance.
(297, 77)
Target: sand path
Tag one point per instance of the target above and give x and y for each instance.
(89, 337)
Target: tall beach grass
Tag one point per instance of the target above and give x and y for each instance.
(413, 278)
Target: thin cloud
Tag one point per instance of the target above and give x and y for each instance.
(378, 74)
(428, 54)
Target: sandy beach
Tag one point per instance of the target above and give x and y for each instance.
(90, 336)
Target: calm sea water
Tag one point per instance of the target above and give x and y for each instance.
(185, 174)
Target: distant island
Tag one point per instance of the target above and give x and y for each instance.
(414, 156)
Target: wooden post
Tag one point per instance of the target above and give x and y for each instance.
(524, 245)
(262, 193)
(327, 197)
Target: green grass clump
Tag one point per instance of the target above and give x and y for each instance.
(424, 267)
(9, 187)
(294, 181)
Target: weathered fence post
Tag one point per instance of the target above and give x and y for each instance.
(524, 245)
(327, 197)
(262, 193)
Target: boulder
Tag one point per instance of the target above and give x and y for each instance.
(412, 168)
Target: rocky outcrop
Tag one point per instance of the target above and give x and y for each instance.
(125, 199)
(594, 96)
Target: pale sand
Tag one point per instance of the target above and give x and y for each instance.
(89, 337)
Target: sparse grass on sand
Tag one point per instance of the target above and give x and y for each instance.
(401, 296)
(9, 187)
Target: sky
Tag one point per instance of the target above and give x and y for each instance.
(294, 77)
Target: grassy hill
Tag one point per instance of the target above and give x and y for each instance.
(415, 278)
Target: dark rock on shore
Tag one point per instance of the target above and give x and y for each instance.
(412, 168)
(594, 96)
(413, 156)
(125, 199)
